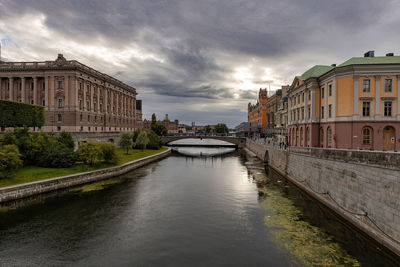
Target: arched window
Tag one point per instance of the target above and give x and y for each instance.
(308, 134)
(366, 136)
(321, 136)
(329, 137)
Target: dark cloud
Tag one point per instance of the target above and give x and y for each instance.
(195, 47)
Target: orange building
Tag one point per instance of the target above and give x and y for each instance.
(258, 112)
(351, 106)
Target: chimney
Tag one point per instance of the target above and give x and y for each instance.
(389, 54)
(369, 54)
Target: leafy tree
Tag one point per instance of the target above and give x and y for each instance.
(153, 119)
(109, 152)
(208, 129)
(9, 160)
(159, 129)
(221, 128)
(66, 139)
(142, 140)
(89, 152)
(56, 155)
(125, 141)
(154, 141)
(135, 135)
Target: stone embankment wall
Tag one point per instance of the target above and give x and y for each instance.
(361, 186)
(29, 189)
(112, 137)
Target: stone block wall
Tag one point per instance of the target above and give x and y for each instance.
(361, 186)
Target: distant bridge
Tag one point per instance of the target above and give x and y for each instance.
(235, 141)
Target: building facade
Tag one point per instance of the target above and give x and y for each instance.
(258, 112)
(281, 121)
(171, 126)
(76, 97)
(354, 105)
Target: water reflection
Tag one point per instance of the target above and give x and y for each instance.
(202, 152)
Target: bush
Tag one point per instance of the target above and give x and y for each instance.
(109, 152)
(89, 152)
(15, 114)
(142, 140)
(56, 155)
(154, 141)
(66, 139)
(135, 135)
(9, 138)
(9, 161)
(125, 141)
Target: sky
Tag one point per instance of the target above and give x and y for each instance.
(199, 60)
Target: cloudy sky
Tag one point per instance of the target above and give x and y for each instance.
(199, 60)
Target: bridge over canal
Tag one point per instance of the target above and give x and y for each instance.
(235, 141)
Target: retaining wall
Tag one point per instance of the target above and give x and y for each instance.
(34, 188)
(361, 186)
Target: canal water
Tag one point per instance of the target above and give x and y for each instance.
(198, 207)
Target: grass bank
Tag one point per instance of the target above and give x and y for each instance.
(32, 173)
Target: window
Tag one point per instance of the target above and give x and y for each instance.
(58, 128)
(366, 85)
(330, 90)
(87, 88)
(366, 136)
(101, 107)
(322, 92)
(388, 85)
(80, 117)
(309, 95)
(44, 102)
(322, 112)
(80, 86)
(32, 102)
(32, 86)
(309, 112)
(330, 111)
(87, 105)
(329, 132)
(366, 107)
(95, 106)
(60, 84)
(387, 112)
(80, 104)
(95, 119)
(60, 103)
(302, 98)
(88, 118)
(59, 117)
(302, 113)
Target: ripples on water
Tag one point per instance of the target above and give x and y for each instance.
(184, 210)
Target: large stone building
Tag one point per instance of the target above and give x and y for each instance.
(171, 126)
(258, 112)
(76, 97)
(354, 105)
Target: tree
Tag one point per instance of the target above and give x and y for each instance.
(153, 119)
(9, 160)
(109, 152)
(159, 129)
(56, 155)
(89, 152)
(154, 141)
(66, 139)
(208, 129)
(142, 140)
(125, 141)
(221, 128)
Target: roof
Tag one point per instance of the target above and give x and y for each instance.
(371, 60)
(315, 72)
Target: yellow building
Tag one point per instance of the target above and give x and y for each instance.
(350, 106)
(258, 112)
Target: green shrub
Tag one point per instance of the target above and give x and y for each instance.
(66, 139)
(142, 140)
(15, 114)
(109, 152)
(154, 141)
(89, 152)
(9, 161)
(125, 141)
(135, 135)
(56, 155)
(9, 138)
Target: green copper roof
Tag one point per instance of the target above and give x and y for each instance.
(315, 72)
(371, 60)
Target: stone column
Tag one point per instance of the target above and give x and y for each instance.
(75, 94)
(398, 97)
(98, 99)
(325, 101)
(35, 101)
(91, 97)
(355, 97)
(46, 92)
(23, 91)
(334, 98)
(377, 96)
(84, 107)
(67, 103)
(52, 95)
(306, 105)
(11, 89)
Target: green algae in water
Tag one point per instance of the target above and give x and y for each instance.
(95, 186)
(310, 245)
